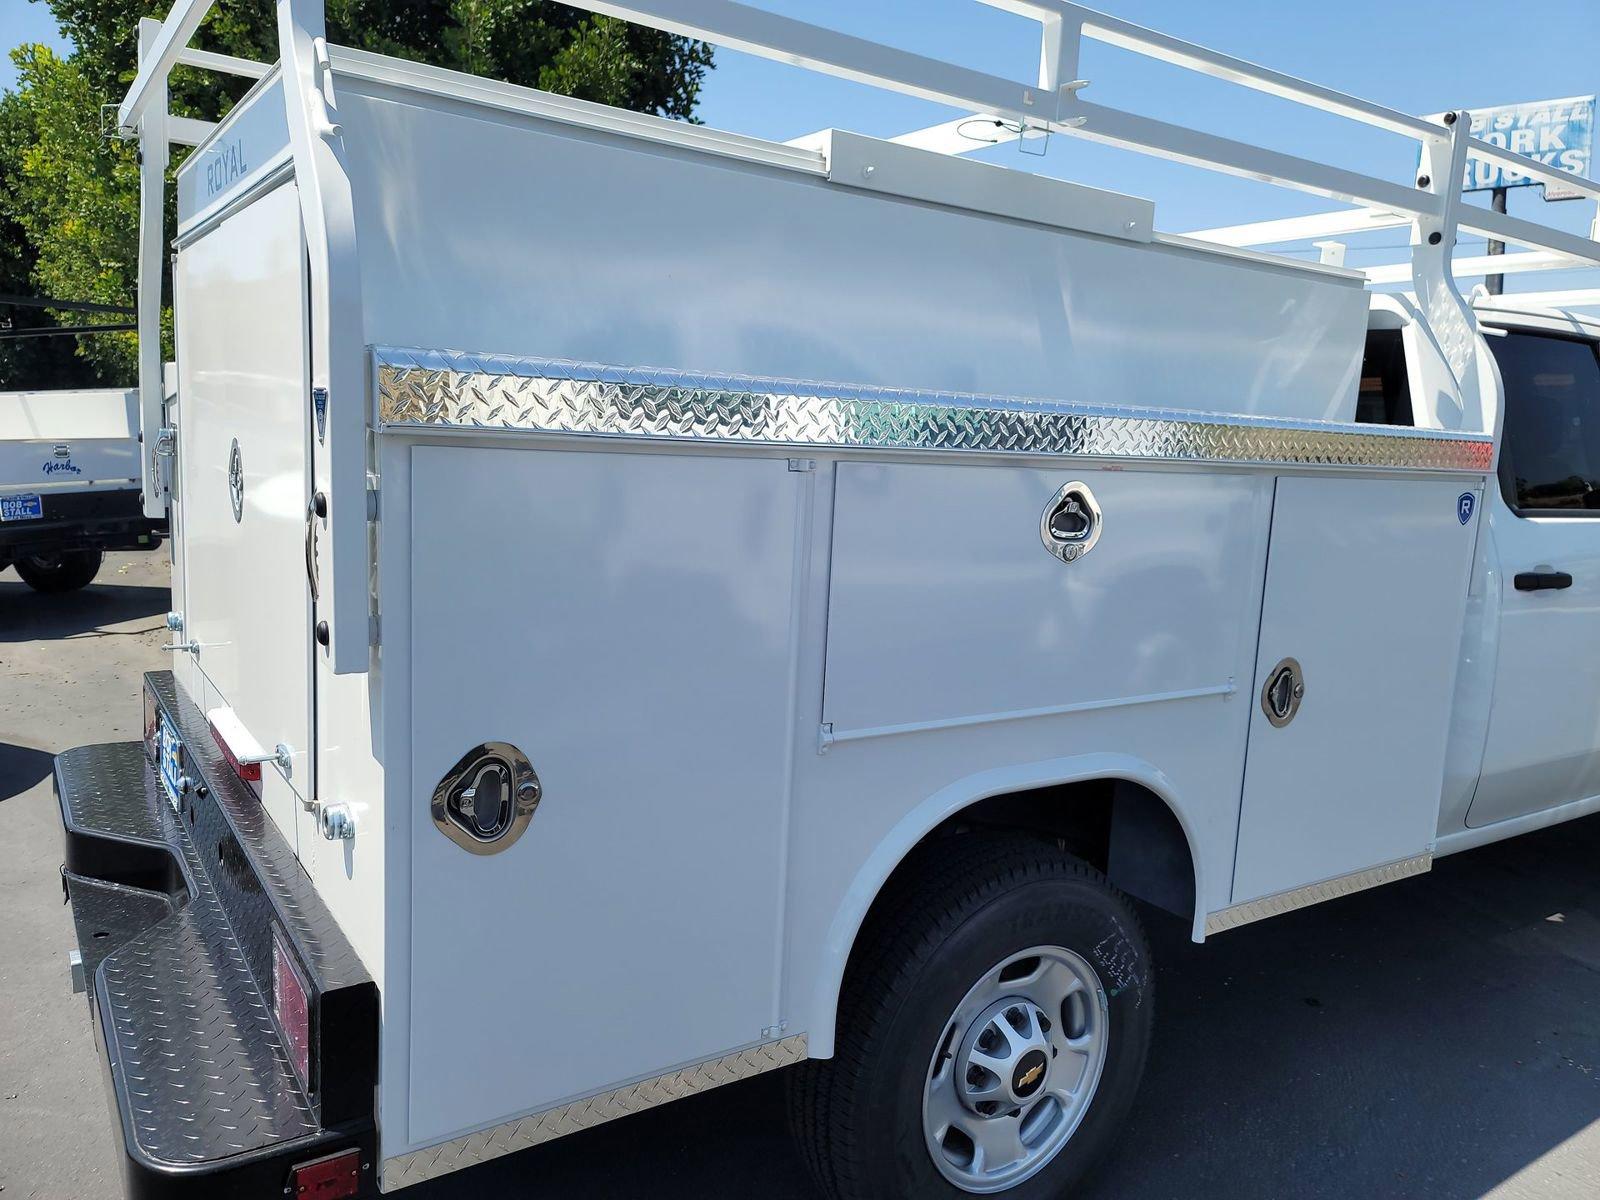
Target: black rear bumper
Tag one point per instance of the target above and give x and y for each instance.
(177, 907)
(83, 521)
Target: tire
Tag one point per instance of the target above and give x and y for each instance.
(866, 1119)
(66, 571)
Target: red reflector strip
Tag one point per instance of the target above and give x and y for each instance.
(249, 772)
(292, 1007)
(151, 720)
(329, 1178)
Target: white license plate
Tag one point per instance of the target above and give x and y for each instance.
(169, 755)
(25, 506)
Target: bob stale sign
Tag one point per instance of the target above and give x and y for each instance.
(1559, 133)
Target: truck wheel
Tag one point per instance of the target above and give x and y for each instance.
(66, 571)
(992, 1032)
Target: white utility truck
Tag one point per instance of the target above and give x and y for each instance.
(655, 605)
(70, 472)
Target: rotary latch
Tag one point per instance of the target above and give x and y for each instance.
(487, 799)
(1070, 525)
(1281, 694)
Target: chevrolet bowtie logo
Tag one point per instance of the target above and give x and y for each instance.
(1029, 1076)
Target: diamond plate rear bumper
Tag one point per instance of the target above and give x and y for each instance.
(176, 907)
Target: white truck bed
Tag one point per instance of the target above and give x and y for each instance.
(69, 440)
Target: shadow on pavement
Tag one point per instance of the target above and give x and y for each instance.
(29, 616)
(1427, 1039)
(21, 767)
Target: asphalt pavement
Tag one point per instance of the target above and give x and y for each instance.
(1439, 1037)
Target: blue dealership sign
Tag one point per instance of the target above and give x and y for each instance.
(1559, 133)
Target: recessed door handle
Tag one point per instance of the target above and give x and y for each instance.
(1539, 581)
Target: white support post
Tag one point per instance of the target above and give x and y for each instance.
(1450, 318)
(153, 151)
(338, 342)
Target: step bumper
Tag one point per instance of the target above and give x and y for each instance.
(188, 915)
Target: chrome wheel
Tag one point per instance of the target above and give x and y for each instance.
(1015, 1069)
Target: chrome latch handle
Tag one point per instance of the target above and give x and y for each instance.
(1070, 525)
(316, 509)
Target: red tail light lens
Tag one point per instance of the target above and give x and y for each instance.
(330, 1178)
(229, 733)
(291, 1005)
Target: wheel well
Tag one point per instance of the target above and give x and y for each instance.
(1119, 827)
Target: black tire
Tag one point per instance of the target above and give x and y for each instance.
(960, 907)
(64, 572)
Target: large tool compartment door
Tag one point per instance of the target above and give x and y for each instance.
(623, 621)
(1365, 596)
(243, 375)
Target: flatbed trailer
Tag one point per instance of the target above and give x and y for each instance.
(654, 605)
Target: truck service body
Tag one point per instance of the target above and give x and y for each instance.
(692, 605)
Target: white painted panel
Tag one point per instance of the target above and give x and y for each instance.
(241, 342)
(624, 620)
(945, 604)
(597, 247)
(65, 415)
(69, 440)
(1366, 587)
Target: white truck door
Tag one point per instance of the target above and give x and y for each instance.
(243, 372)
(1543, 743)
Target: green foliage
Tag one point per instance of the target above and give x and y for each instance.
(69, 198)
(71, 195)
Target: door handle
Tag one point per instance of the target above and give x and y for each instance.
(1539, 581)
(317, 508)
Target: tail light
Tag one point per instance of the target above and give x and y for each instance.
(236, 744)
(330, 1178)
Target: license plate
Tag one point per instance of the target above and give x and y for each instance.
(25, 506)
(169, 756)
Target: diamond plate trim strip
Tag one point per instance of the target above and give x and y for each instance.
(439, 388)
(584, 1114)
(1316, 893)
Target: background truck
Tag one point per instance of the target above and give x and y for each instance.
(654, 605)
(70, 472)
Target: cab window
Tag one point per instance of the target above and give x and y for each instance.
(1384, 397)
(1550, 459)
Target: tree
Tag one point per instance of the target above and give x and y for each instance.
(69, 198)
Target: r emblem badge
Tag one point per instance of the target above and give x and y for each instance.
(236, 481)
(1465, 504)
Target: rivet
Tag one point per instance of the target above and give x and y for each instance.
(1423, 181)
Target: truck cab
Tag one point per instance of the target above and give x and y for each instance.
(1524, 749)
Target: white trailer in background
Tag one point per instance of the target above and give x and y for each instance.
(655, 605)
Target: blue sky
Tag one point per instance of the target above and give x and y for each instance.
(1421, 57)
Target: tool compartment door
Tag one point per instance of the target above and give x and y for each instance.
(1366, 591)
(245, 470)
(624, 621)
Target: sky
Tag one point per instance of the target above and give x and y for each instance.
(1421, 56)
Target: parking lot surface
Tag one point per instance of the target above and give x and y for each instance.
(1436, 1038)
